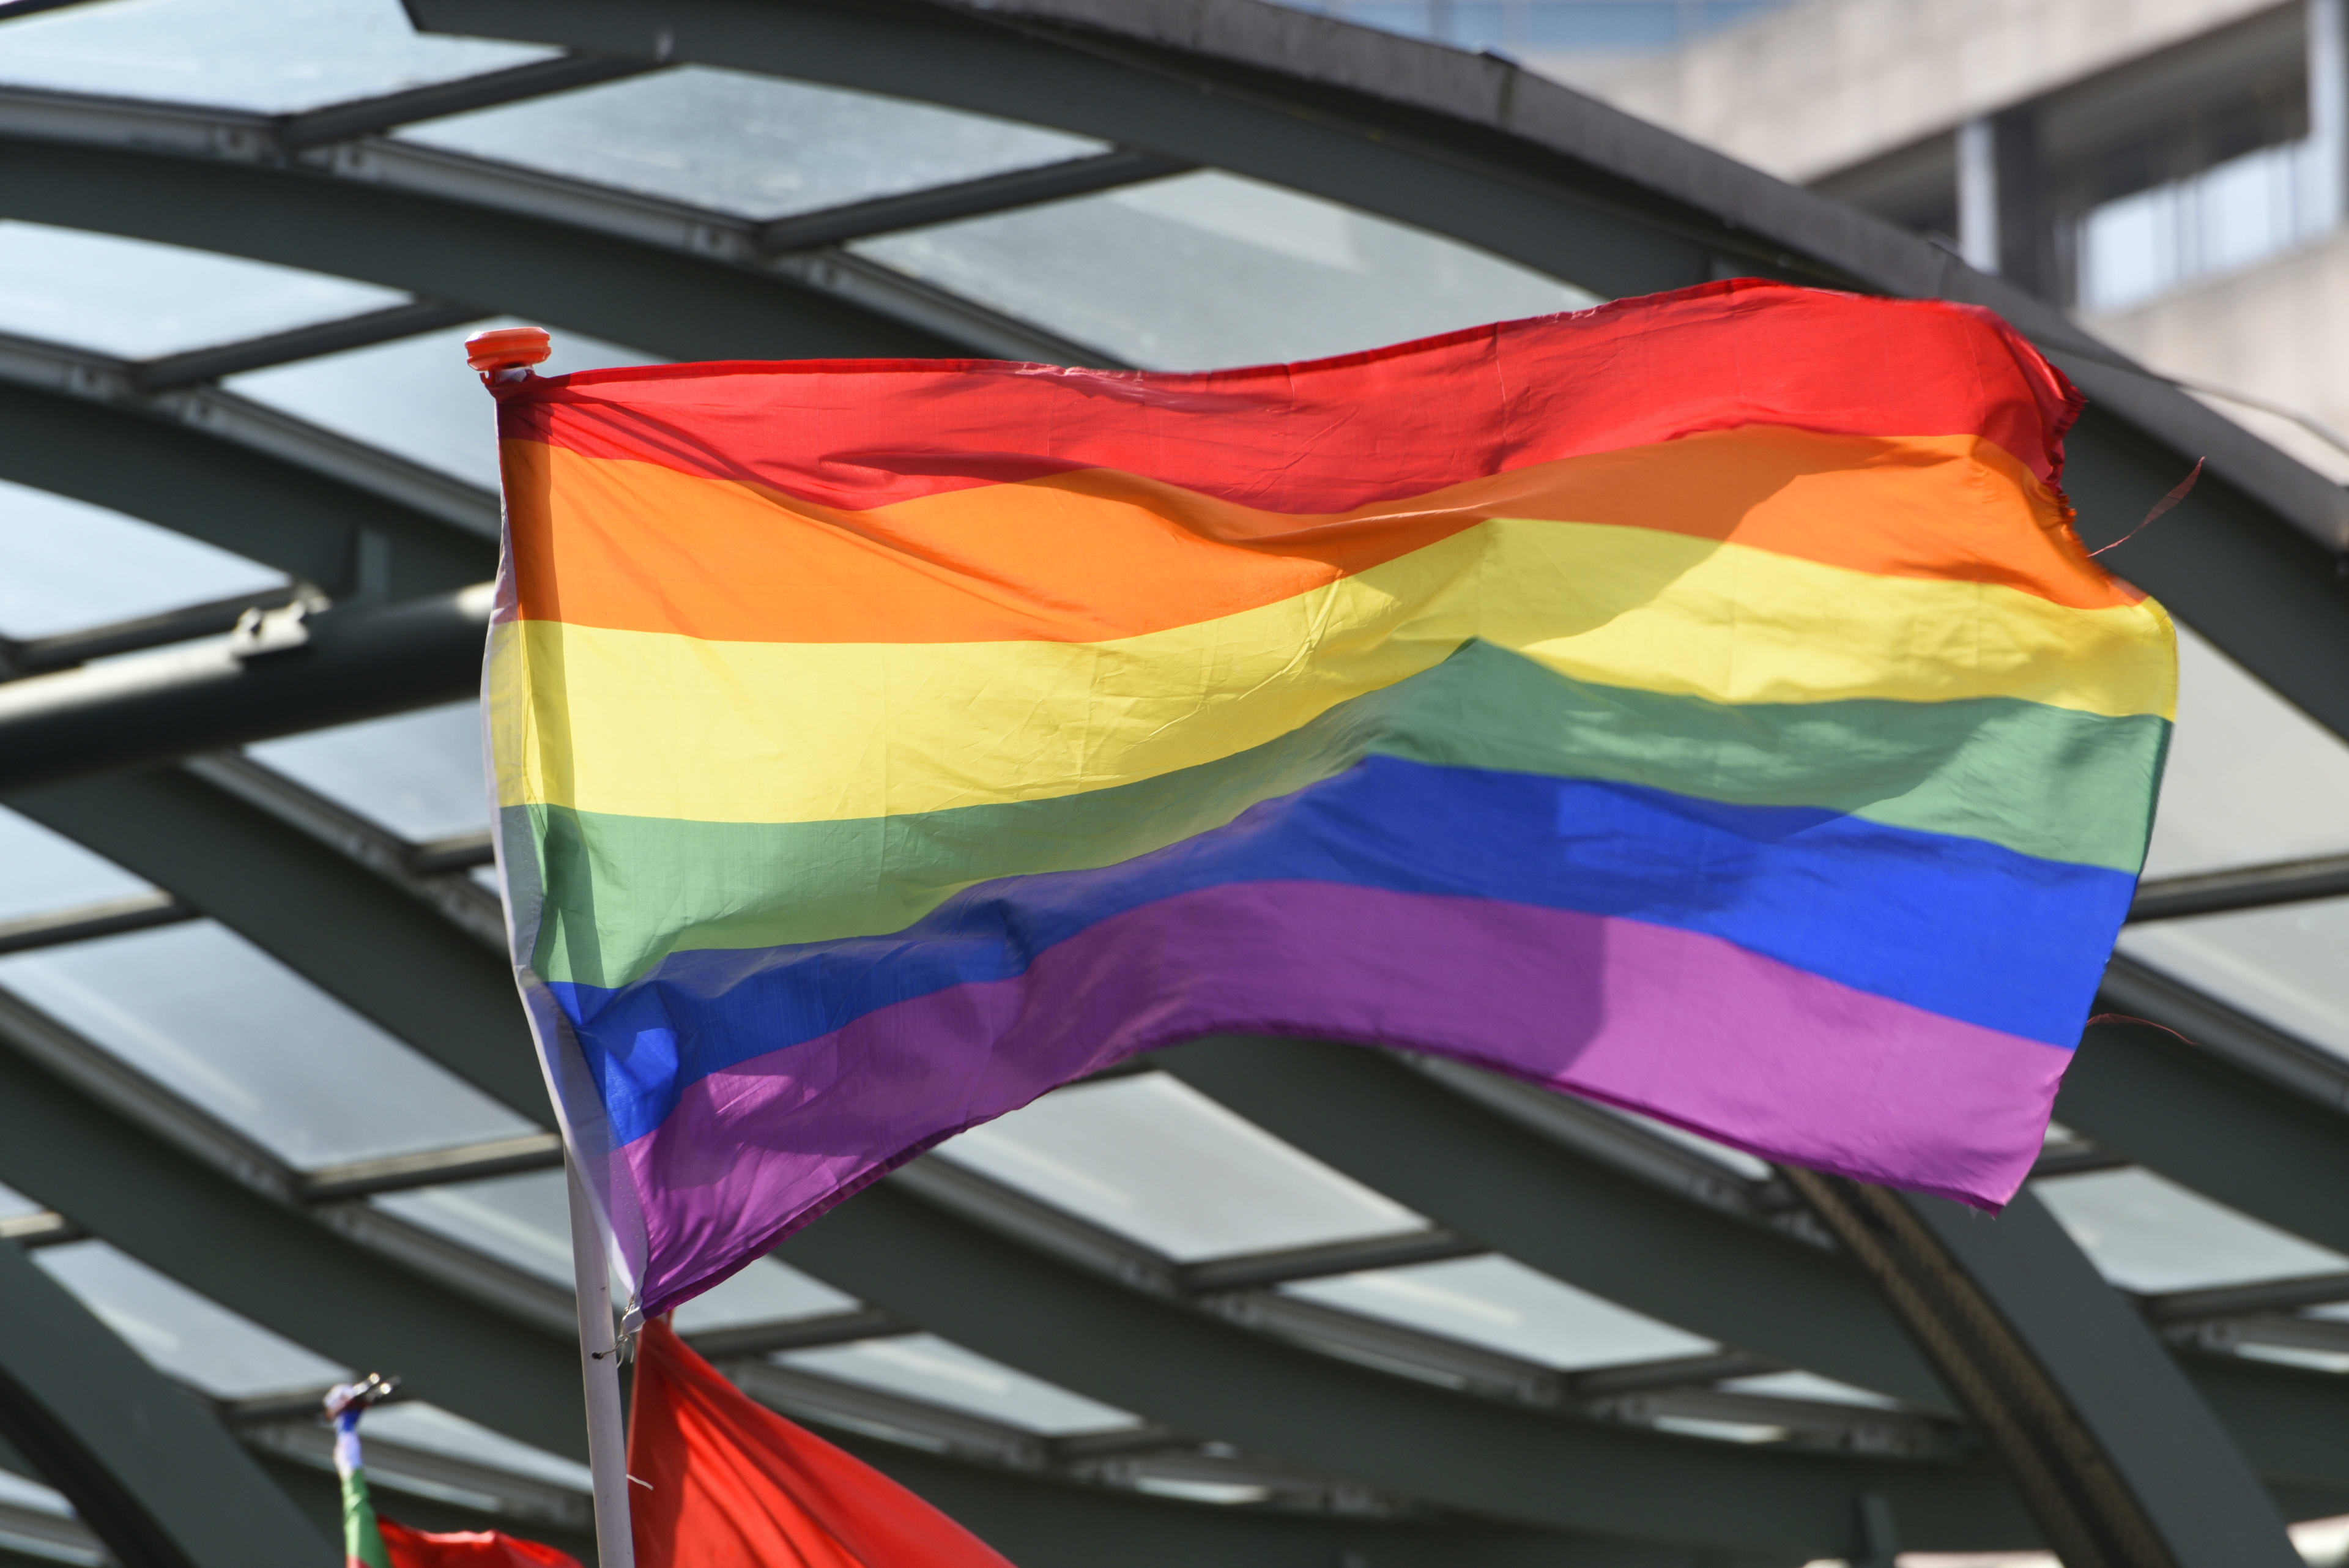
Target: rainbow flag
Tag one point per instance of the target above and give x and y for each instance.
(1701, 703)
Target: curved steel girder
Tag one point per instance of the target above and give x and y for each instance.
(301, 1280)
(1474, 1171)
(2123, 1466)
(1474, 148)
(352, 664)
(2266, 1149)
(1182, 1366)
(284, 1269)
(162, 1483)
(340, 926)
(263, 508)
(662, 301)
(329, 959)
(1478, 1173)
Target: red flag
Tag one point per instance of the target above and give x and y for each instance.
(467, 1548)
(727, 1483)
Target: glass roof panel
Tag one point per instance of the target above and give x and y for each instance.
(2289, 965)
(49, 871)
(2330, 1361)
(136, 299)
(1799, 1384)
(924, 1366)
(1151, 1157)
(1749, 1166)
(2250, 778)
(271, 56)
(1223, 1494)
(1504, 1305)
(2148, 1233)
(766, 1292)
(417, 1425)
(1211, 269)
(416, 396)
(524, 1221)
(419, 775)
(1720, 1431)
(520, 1221)
(189, 1336)
(215, 1019)
(14, 1205)
(17, 1491)
(66, 565)
(747, 144)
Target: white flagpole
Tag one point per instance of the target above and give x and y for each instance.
(505, 355)
(599, 1367)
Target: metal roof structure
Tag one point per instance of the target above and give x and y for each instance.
(268, 1110)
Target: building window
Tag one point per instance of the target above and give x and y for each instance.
(2226, 217)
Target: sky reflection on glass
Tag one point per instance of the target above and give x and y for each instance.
(215, 1020)
(416, 396)
(523, 1222)
(134, 299)
(1504, 1305)
(2145, 1232)
(2250, 777)
(45, 871)
(1151, 1157)
(186, 1336)
(2288, 965)
(1211, 269)
(924, 1366)
(66, 565)
(272, 57)
(749, 145)
(419, 775)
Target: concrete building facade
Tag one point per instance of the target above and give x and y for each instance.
(2170, 171)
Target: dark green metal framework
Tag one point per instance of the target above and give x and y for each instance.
(2141, 1450)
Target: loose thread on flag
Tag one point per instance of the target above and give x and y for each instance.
(2178, 493)
(2133, 1018)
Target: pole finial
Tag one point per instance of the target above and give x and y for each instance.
(506, 353)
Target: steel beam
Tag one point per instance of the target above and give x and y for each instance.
(64, 649)
(458, 228)
(258, 1256)
(1710, 1272)
(282, 672)
(2119, 1461)
(113, 916)
(2274, 1144)
(454, 505)
(306, 524)
(148, 1468)
(386, 326)
(342, 928)
(248, 1252)
(488, 90)
(2248, 887)
(1473, 147)
(1180, 1365)
(1690, 1263)
(989, 194)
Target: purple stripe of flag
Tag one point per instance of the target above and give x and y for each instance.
(1644, 1016)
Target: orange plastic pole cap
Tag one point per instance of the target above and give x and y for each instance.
(506, 348)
